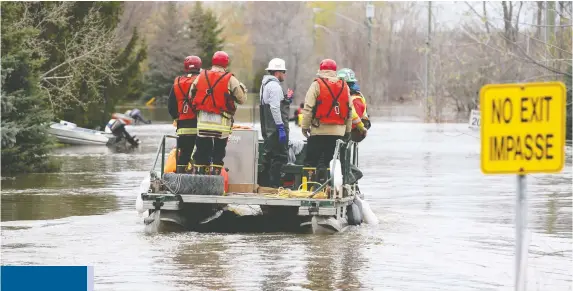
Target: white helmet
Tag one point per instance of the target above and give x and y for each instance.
(276, 64)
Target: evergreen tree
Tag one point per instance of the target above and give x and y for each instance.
(25, 114)
(199, 36)
(135, 85)
(167, 52)
(86, 107)
(129, 78)
(36, 38)
(258, 79)
(205, 30)
(91, 97)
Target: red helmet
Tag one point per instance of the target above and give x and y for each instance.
(220, 59)
(192, 63)
(328, 64)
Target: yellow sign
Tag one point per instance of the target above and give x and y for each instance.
(522, 128)
(150, 102)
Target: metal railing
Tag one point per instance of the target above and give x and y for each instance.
(160, 152)
(350, 157)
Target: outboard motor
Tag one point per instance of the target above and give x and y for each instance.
(136, 115)
(120, 136)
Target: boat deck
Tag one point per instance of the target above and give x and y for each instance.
(306, 205)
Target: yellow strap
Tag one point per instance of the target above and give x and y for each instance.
(287, 193)
(187, 131)
(224, 127)
(213, 127)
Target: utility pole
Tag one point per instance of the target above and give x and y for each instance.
(545, 33)
(427, 59)
(313, 28)
(369, 16)
(549, 31)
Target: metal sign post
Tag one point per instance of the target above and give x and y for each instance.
(474, 122)
(521, 243)
(522, 132)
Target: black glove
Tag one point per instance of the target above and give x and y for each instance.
(346, 137)
(367, 123)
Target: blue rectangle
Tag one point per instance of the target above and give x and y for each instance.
(46, 278)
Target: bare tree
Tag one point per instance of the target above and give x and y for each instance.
(280, 29)
(89, 49)
(495, 45)
(135, 14)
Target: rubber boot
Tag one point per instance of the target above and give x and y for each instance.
(215, 170)
(181, 169)
(321, 174)
(199, 169)
(275, 176)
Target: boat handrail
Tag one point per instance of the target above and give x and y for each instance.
(351, 154)
(350, 149)
(160, 151)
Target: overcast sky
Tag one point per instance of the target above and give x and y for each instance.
(451, 13)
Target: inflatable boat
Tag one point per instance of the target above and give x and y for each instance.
(69, 133)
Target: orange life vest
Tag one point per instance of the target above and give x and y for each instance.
(332, 105)
(181, 87)
(359, 106)
(212, 93)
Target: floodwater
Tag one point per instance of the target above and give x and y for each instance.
(443, 224)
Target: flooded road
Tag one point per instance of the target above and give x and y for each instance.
(443, 224)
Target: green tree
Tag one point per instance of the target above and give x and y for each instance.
(25, 114)
(85, 73)
(77, 38)
(167, 52)
(258, 79)
(129, 82)
(206, 32)
(200, 35)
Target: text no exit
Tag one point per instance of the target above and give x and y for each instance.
(523, 128)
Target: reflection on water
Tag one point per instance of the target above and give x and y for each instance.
(203, 262)
(443, 224)
(42, 207)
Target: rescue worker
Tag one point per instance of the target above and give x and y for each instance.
(298, 114)
(180, 109)
(326, 115)
(360, 121)
(274, 113)
(214, 93)
(137, 116)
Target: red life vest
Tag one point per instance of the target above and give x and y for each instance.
(332, 105)
(181, 87)
(212, 93)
